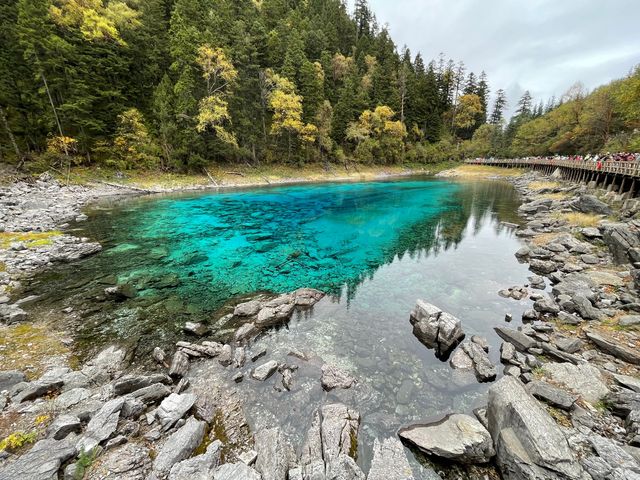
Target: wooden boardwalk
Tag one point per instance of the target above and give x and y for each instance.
(622, 177)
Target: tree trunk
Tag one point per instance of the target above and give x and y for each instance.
(12, 139)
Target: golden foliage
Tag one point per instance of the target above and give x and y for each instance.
(61, 145)
(467, 111)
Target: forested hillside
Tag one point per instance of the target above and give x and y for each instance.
(180, 84)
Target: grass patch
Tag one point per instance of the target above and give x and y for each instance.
(559, 416)
(542, 185)
(28, 346)
(29, 239)
(579, 219)
(539, 372)
(544, 238)
(3, 267)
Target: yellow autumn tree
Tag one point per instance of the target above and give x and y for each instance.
(213, 112)
(378, 136)
(96, 19)
(286, 105)
(467, 111)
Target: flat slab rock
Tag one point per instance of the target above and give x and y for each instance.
(275, 454)
(179, 446)
(389, 461)
(456, 437)
(339, 429)
(434, 328)
(529, 444)
(613, 347)
(584, 379)
(236, 471)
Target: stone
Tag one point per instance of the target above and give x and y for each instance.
(585, 309)
(460, 360)
(182, 385)
(306, 297)
(102, 425)
(543, 267)
(485, 370)
(25, 391)
(236, 471)
(121, 292)
(131, 383)
(568, 319)
(344, 468)
(591, 232)
(590, 204)
(389, 461)
(249, 457)
(629, 320)
(9, 378)
(613, 347)
(200, 467)
(546, 305)
(258, 353)
(457, 437)
(63, 426)
(507, 352)
(275, 454)
(312, 446)
(151, 394)
(529, 444)
(130, 461)
(569, 345)
(247, 309)
(239, 357)
(225, 358)
(245, 332)
(554, 396)
(264, 371)
(483, 342)
(518, 339)
(158, 355)
(435, 328)
(274, 313)
(104, 366)
(512, 370)
(173, 408)
(622, 240)
(333, 377)
(179, 365)
(41, 462)
(197, 329)
(179, 446)
(585, 379)
(632, 383)
(339, 431)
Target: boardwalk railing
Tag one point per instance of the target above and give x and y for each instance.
(627, 169)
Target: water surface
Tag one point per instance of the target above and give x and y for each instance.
(374, 247)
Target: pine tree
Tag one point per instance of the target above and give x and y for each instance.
(497, 115)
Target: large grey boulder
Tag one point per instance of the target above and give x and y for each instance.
(104, 366)
(584, 379)
(275, 454)
(457, 437)
(151, 394)
(9, 378)
(42, 462)
(623, 241)
(528, 443)
(131, 461)
(389, 461)
(102, 425)
(200, 467)
(71, 398)
(276, 311)
(590, 204)
(25, 391)
(339, 431)
(436, 329)
(344, 468)
(333, 377)
(236, 471)
(247, 309)
(306, 297)
(63, 426)
(179, 446)
(173, 408)
(312, 446)
(611, 461)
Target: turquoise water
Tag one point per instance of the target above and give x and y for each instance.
(375, 247)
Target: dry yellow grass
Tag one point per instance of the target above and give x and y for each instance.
(245, 175)
(544, 238)
(578, 219)
(540, 185)
(483, 171)
(554, 196)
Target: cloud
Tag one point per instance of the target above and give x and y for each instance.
(543, 46)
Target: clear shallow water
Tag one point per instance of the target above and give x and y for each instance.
(375, 247)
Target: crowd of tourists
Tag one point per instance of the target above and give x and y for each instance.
(598, 158)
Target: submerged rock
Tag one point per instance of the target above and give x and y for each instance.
(264, 371)
(435, 328)
(333, 377)
(456, 437)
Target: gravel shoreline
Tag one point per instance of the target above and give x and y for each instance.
(566, 406)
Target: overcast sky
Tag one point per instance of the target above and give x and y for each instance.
(543, 46)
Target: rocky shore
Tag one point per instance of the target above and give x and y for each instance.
(566, 404)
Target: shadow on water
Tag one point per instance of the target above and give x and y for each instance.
(375, 247)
